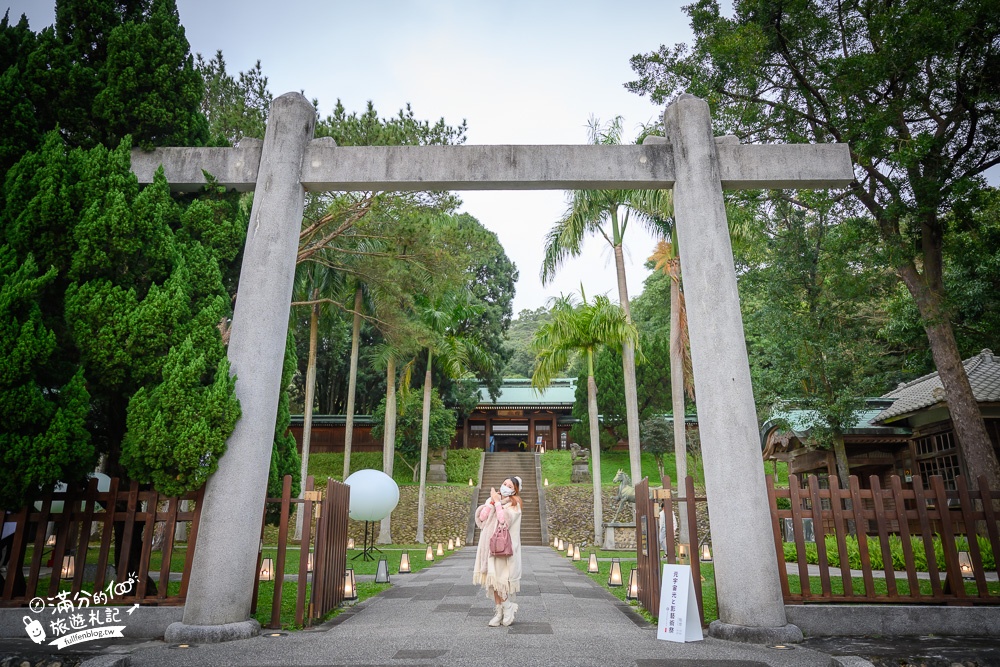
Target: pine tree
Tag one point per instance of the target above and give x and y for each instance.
(151, 89)
(177, 430)
(44, 438)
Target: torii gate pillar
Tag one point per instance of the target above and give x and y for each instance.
(750, 602)
(218, 601)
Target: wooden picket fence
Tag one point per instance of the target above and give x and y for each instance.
(84, 526)
(321, 588)
(84, 530)
(649, 567)
(917, 517)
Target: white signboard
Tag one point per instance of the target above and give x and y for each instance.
(678, 619)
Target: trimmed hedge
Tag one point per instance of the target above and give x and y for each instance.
(463, 465)
(895, 549)
(460, 466)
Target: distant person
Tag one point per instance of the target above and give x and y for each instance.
(493, 443)
(500, 575)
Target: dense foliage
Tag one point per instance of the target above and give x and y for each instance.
(408, 425)
(136, 282)
(911, 87)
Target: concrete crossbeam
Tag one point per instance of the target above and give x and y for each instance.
(330, 168)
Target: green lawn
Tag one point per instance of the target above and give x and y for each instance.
(604, 567)
(557, 467)
(366, 589)
(460, 466)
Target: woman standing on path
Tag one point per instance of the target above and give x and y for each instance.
(500, 575)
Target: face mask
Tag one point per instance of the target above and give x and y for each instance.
(506, 491)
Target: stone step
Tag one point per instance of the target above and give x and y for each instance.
(498, 466)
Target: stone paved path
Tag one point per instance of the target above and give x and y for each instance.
(437, 617)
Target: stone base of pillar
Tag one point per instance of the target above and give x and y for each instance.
(180, 633)
(436, 472)
(785, 634)
(609, 538)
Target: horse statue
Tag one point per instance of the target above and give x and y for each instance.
(625, 494)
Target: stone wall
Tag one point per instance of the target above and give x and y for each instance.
(571, 515)
(446, 515)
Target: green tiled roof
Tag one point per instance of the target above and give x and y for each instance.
(518, 392)
(800, 422)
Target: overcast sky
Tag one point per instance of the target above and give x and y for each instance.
(517, 72)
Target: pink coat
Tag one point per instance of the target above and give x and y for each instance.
(502, 575)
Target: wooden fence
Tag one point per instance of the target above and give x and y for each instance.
(322, 554)
(648, 560)
(910, 524)
(142, 525)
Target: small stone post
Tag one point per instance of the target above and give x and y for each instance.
(746, 576)
(219, 593)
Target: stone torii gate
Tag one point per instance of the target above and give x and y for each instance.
(695, 164)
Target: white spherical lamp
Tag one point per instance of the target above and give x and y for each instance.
(373, 495)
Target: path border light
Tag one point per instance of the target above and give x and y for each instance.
(592, 566)
(350, 585)
(429, 556)
(569, 551)
(404, 563)
(68, 569)
(576, 553)
(706, 553)
(965, 565)
(633, 585)
(615, 577)
(382, 571)
(267, 569)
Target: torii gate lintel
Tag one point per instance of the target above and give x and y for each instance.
(329, 167)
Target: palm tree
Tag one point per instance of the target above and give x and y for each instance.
(668, 260)
(353, 378)
(312, 282)
(399, 336)
(456, 353)
(577, 329)
(608, 213)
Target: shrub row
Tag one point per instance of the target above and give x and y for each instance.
(460, 466)
(895, 549)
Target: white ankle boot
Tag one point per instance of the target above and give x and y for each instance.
(509, 609)
(497, 617)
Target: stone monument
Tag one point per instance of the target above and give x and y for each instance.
(581, 464)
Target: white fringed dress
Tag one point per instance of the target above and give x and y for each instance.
(501, 575)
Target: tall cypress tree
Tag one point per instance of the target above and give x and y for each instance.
(137, 284)
(44, 436)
